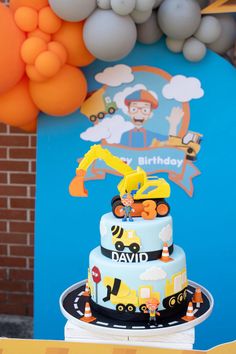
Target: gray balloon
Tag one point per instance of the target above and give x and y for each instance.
(194, 50)
(203, 3)
(175, 45)
(179, 19)
(104, 4)
(108, 36)
(228, 34)
(141, 16)
(144, 5)
(122, 7)
(73, 10)
(209, 30)
(157, 3)
(149, 32)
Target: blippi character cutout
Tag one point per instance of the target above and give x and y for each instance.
(152, 307)
(127, 200)
(141, 105)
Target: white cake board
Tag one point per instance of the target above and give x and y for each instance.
(97, 328)
(178, 340)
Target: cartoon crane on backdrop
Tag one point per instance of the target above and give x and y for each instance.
(149, 193)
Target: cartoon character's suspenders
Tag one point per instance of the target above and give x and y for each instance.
(142, 130)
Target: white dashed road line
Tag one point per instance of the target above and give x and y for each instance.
(196, 310)
(102, 323)
(80, 313)
(81, 293)
(118, 326)
(160, 325)
(76, 300)
(171, 323)
(138, 327)
(76, 306)
(189, 291)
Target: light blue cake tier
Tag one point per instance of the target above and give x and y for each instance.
(124, 284)
(139, 236)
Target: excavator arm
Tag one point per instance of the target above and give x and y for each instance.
(76, 187)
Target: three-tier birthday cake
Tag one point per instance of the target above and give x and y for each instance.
(137, 276)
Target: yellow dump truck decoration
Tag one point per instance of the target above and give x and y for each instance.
(98, 105)
(125, 238)
(136, 182)
(126, 299)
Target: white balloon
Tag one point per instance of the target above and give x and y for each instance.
(141, 16)
(194, 50)
(108, 36)
(144, 5)
(122, 7)
(175, 45)
(228, 34)
(179, 19)
(209, 30)
(104, 4)
(149, 32)
(73, 10)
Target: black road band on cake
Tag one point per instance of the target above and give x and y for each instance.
(128, 257)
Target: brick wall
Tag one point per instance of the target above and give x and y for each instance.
(17, 191)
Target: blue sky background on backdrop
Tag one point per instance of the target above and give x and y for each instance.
(68, 228)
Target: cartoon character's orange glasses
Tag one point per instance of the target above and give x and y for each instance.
(144, 110)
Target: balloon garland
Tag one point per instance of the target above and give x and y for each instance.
(45, 42)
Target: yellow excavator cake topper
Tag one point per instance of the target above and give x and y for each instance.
(149, 193)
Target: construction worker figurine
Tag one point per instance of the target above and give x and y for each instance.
(127, 200)
(152, 307)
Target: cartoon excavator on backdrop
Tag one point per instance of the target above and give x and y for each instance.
(147, 191)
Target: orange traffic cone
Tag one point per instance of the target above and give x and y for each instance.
(189, 314)
(165, 257)
(86, 290)
(197, 297)
(88, 317)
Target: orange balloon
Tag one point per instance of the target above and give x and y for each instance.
(31, 127)
(61, 95)
(33, 74)
(16, 105)
(40, 34)
(71, 36)
(11, 38)
(35, 4)
(48, 20)
(31, 48)
(48, 64)
(26, 18)
(59, 50)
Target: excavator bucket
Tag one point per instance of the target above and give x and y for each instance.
(76, 187)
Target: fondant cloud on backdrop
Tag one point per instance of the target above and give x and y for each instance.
(166, 233)
(153, 273)
(183, 89)
(115, 75)
(110, 129)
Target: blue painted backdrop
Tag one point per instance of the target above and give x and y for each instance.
(67, 228)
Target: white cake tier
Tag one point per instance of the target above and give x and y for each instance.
(125, 287)
(139, 241)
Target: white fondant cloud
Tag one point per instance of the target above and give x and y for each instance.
(110, 129)
(183, 89)
(153, 273)
(120, 97)
(166, 233)
(115, 75)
